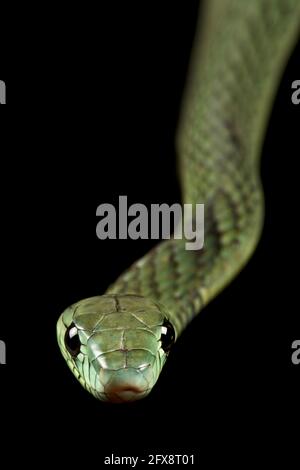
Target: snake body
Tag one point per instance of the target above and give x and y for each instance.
(117, 344)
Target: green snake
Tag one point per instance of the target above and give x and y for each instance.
(116, 344)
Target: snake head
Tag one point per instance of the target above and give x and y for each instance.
(116, 345)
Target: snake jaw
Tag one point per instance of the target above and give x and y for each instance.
(124, 382)
(124, 385)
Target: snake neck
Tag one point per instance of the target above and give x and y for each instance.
(236, 66)
(185, 281)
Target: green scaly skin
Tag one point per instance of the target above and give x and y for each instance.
(239, 54)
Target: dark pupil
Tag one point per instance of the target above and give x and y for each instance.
(167, 336)
(72, 340)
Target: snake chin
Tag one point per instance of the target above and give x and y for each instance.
(123, 395)
(125, 385)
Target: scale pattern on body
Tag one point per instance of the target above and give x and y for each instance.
(117, 344)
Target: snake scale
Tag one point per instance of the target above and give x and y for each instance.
(116, 344)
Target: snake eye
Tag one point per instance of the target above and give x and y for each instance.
(167, 336)
(72, 340)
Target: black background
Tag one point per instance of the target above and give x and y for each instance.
(93, 101)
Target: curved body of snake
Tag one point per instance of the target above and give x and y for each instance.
(116, 344)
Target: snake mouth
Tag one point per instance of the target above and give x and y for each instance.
(124, 385)
(126, 394)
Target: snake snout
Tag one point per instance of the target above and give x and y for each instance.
(128, 384)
